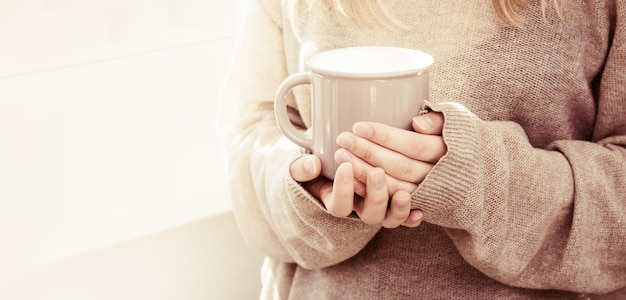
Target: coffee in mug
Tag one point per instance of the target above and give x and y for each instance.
(381, 84)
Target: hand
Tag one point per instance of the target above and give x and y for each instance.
(340, 200)
(406, 156)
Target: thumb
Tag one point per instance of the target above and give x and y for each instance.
(305, 168)
(429, 123)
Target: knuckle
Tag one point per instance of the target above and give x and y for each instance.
(404, 170)
(367, 154)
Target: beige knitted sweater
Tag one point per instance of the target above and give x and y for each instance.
(528, 202)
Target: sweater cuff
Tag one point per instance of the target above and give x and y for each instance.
(451, 179)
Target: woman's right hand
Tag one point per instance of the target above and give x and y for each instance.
(340, 200)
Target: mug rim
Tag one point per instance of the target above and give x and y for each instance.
(420, 61)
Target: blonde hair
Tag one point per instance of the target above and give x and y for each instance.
(368, 12)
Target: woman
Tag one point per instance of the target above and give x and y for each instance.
(512, 186)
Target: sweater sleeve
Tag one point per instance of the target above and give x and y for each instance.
(275, 214)
(552, 218)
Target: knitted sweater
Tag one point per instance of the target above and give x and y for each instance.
(528, 202)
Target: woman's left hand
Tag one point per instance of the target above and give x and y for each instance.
(405, 156)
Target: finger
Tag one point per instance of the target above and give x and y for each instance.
(361, 170)
(399, 210)
(359, 188)
(305, 168)
(344, 157)
(418, 146)
(320, 188)
(395, 164)
(429, 123)
(376, 199)
(415, 218)
(341, 200)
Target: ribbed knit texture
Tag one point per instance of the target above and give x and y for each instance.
(529, 201)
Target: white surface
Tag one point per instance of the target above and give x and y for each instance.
(37, 35)
(107, 112)
(200, 260)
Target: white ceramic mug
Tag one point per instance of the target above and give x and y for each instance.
(381, 84)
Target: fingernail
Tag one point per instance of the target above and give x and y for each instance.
(362, 130)
(417, 216)
(345, 141)
(309, 165)
(424, 122)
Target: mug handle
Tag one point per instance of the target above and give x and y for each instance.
(280, 109)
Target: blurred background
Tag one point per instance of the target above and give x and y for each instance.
(112, 185)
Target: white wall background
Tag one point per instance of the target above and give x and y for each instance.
(107, 111)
